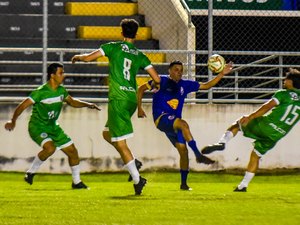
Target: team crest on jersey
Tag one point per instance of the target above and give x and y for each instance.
(294, 96)
(181, 90)
(125, 48)
(44, 135)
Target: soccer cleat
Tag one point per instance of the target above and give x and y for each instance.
(29, 178)
(80, 185)
(204, 159)
(244, 189)
(185, 187)
(214, 147)
(138, 166)
(139, 186)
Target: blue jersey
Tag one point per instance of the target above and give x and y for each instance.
(171, 95)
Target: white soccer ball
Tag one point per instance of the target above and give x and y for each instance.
(216, 63)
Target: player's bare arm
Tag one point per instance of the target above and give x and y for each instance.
(140, 93)
(207, 85)
(77, 103)
(154, 75)
(87, 57)
(259, 112)
(10, 125)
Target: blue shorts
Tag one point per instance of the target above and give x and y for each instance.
(165, 124)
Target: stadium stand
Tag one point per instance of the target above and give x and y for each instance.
(68, 27)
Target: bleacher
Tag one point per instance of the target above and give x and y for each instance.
(71, 25)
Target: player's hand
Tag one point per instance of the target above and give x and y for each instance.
(141, 113)
(10, 125)
(75, 58)
(228, 68)
(294, 71)
(155, 87)
(94, 106)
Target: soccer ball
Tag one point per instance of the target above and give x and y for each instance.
(216, 63)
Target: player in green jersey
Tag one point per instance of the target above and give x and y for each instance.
(125, 60)
(265, 127)
(47, 101)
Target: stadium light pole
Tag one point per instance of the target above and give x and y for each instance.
(45, 39)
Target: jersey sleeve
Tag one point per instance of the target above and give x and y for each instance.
(107, 49)
(191, 86)
(145, 62)
(34, 96)
(279, 96)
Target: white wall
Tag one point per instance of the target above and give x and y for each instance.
(169, 22)
(207, 123)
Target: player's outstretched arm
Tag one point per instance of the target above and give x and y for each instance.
(76, 103)
(207, 85)
(244, 120)
(87, 57)
(140, 93)
(154, 75)
(10, 125)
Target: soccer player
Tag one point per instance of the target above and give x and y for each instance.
(47, 101)
(125, 60)
(267, 125)
(167, 107)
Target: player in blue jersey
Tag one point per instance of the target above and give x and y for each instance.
(47, 101)
(167, 107)
(267, 125)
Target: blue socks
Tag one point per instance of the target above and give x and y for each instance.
(184, 174)
(193, 146)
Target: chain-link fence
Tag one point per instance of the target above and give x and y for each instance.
(259, 36)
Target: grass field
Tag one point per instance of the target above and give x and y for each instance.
(271, 199)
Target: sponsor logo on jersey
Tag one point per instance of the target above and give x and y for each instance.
(131, 51)
(173, 103)
(124, 88)
(294, 96)
(277, 128)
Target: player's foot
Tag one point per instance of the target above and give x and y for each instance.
(29, 178)
(185, 187)
(80, 185)
(204, 159)
(244, 189)
(138, 166)
(214, 147)
(139, 186)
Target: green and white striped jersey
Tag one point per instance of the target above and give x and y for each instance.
(47, 104)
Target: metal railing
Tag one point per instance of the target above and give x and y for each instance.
(234, 88)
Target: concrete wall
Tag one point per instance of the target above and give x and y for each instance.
(207, 123)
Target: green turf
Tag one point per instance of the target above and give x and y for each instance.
(50, 200)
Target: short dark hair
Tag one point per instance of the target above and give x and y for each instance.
(295, 77)
(129, 27)
(52, 68)
(175, 62)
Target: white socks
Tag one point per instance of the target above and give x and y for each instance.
(247, 178)
(35, 165)
(76, 174)
(131, 167)
(226, 137)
